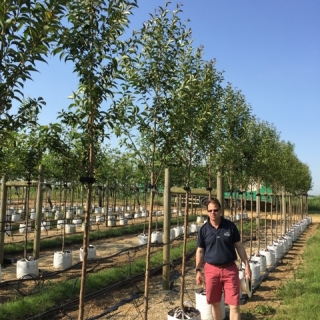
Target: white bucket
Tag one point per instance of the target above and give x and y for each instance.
(45, 225)
(177, 232)
(97, 210)
(172, 234)
(77, 222)
(62, 259)
(70, 228)
(177, 315)
(280, 245)
(137, 215)
(200, 219)
(156, 237)
(27, 267)
(79, 211)
(205, 308)
(181, 213)
(188, 230)
(159, 213)
(270, 257)
(144, 213)
(128, 215)
(58, 215)
(142, 238)
(123, 221)
(23, 228)
(99, 219)
(238, 217)
(15, 217)
(276, 251)
(93, 219)
(111, 223)
(289, 239)
(129, 208)
(137, 209)
(194, 227)
(69, 214)
(261, 259)
(255, 270)
(117, 209)
(60, 223)
(8, 230)
(32, 215)
(91, 252)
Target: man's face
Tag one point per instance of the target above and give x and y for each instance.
(213, 212)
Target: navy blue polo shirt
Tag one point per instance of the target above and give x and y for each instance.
(218, 244)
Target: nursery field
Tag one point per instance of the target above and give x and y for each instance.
(126, 301)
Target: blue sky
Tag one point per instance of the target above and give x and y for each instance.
(269, 49)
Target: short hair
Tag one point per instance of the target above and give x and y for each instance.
(214, 201)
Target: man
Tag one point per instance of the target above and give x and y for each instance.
(218, 241)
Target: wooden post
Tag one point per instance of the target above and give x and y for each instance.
(284, 211)
(37, 227)
(3, 209)
(166, 231)
(220, 191)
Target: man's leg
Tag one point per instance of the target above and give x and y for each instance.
(234, 313)
(216, 311)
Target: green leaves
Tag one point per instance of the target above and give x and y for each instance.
(27, 30)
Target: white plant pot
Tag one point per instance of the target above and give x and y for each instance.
(70, 228)
(27, 268)
(15, 217)
(156, 237)
(184, 316)
(45, 225)
(200, 219)
(23, 228)
(69, 214)
(194, 227)
(77, 222)
(92, 253)
(99, 219)
(123, 221)
(206, 308)
(142, 238)
(128, 215)
(111, 223)
(32, 215)
(62, 259)
(58, 215)
(8, 230)
(60, 223)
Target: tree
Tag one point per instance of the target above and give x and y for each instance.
(151, 74)
(91, 40)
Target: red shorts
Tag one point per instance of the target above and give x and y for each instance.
(218, 280)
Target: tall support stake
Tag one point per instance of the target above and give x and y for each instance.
(166, 230)
(220, 191)
(37, 227)
(3, 209)
(284, 211)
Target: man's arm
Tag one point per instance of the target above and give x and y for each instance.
(199, 263)
(243, 256)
